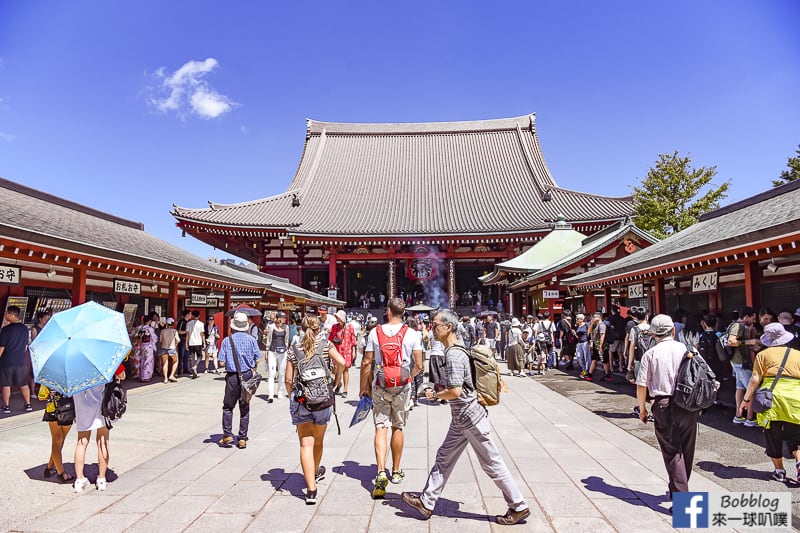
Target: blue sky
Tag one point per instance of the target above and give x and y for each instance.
(129, 107)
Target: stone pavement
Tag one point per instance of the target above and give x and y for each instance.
(578, 471)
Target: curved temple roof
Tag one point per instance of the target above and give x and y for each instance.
(446, 178)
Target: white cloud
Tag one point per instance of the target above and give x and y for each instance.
(7, 137)
(185, 91)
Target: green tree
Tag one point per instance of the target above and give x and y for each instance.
(792, 173)
(674, 195)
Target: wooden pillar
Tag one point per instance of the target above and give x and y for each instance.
(226, 329)
(332, 268)
(172, 301)
(78, 286)
(607, 298)
(752, 284)
(659, 298)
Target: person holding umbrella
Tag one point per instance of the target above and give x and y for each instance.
(88, 417)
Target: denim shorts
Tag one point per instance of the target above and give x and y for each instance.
(742, 376)
(301, 414)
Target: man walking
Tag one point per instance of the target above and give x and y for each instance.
(676, 428)
(14, 361)
(469, 425)
(491, 331)
(245, 348)
(195, 340)
(183, 352)
(393, 348)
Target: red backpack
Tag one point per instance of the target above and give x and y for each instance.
(392, 373)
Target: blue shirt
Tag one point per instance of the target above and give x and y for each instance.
(246, 347)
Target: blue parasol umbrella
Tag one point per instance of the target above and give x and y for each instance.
(80, 348)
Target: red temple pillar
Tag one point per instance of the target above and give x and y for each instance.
(226, 330)
(344, 284)
(752, 284)
(607, 298)
(659, 297)
(172, 301)
(78, 286)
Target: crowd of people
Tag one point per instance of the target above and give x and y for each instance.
(754, 349)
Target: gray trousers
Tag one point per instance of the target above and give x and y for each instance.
(480, 438)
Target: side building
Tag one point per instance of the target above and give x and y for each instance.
(420, 209)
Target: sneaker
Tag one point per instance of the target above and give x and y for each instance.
(270, 400)
(311, 497)
(320, 475)
(751, 423)
(398, 477)
(242, 444)
(6, 410)
(80, 485)
(101, 484)
(630, 377)
(381, 480)
(583, 373)
(28, 407)
(512, 517)
(607, 377)
(779, 475)
(588, 377)
(739, 420)
(225, 441)
(415, 502)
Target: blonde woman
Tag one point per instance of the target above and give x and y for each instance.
(311, 425)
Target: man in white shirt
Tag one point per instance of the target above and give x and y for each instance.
(390, 403)
(676, 428)
(195, 340)
(326, 321)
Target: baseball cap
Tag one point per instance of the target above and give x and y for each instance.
(661, 325)
(170, 320)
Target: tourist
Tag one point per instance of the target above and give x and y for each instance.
(168, 343)
(343, 336)
(582, 349)
(675, 428)
(691, 331)
(567, 338)
(515, 353)
(195, 341)
(245, 349)
(277, 342)
(469, 425)
(782, 421)
(311, 425)
(212, 336)
(14, 359)
(787, 321)
(616, 339)
(415, 328)
(739, 339)
(42, 317)
(326, 321)
(599, 347)
(389, 403)
(58, 433)
(148, 342)
(88, 417)
(545, 330)
(183, 352)
(491, 332)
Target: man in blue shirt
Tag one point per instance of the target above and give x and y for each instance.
(247, 350)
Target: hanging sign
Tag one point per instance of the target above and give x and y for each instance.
(551, 294)
(122, 286)
(705, 282)
(636, 291)
(199, 299)
(9, 275)
(332, 293)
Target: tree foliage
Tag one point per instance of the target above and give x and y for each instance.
(674, 195)
(792, 173)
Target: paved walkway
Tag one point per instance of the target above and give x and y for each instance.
(578, 471)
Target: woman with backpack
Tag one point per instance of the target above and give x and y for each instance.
(309, 386)
(89, 416)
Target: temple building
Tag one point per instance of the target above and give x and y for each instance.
(418, 209)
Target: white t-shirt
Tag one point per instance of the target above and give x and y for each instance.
(411, 342)
(514, 336)
(196, 331)
(437, 348)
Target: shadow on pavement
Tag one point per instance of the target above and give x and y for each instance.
(598, 484)
(444, 507)
(353, 470)
(732, 472)
(291, 482)
(91, 471)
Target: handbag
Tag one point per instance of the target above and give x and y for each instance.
(762, 399)
(65, 411)
(250, 386)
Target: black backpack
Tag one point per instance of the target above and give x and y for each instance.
(612, 335)
(642, 341)
(115, 402)
(696, 388)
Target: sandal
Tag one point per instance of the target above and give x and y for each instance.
(49, 472)
(66, 477)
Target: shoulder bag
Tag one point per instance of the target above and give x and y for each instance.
(762, 399)
(250, 386)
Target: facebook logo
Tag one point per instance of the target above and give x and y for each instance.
(689, 509)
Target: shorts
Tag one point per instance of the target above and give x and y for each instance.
(778, 433)
(742, 376)
(13, 376)
(597, 355)
(390, 409)
(491, 343)
(616, 346)
(301, 414)
(164, 351)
